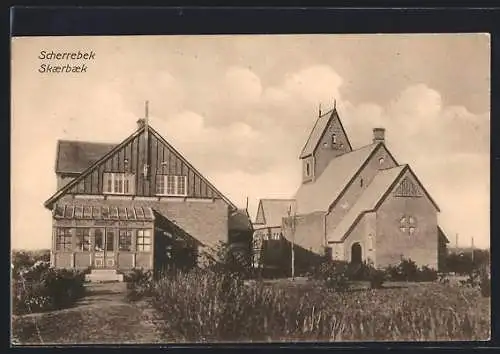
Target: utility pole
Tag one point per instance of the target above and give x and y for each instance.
(293, 239)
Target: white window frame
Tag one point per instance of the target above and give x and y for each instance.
(177, 181)
(141, 244)
(126, 179)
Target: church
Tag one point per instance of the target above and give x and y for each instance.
(353, 204)
(137, 204)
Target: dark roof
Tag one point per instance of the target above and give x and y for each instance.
(321, 193)
(318, 131)
(240, 221)
(76, 156)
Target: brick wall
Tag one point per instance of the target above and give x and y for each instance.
(354, 191)
(391, 242)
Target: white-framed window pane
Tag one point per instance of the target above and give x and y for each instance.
(171, 184)
(83, 239)
(125, 240)
(63, 239)
(144, 240)
(181, 185)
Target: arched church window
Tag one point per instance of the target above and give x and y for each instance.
(381, 160)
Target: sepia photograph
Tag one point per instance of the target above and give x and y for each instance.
(176, 189)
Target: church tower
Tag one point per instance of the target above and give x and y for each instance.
(327, 140)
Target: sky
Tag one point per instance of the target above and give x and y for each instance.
(240, 108)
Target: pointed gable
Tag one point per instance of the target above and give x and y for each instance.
(320, 127)
(129, 157)
(271, 211)
(373, 196)
(367, 201)
(318, 196)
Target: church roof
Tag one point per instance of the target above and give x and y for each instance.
(320, 194)
(367, 201)
(76, 156)
(318, 131)
(273, 211)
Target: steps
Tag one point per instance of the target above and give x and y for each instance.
(104, 275)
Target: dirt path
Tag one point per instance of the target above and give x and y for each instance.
(102, 316)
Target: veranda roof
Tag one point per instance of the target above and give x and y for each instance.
(109, 212)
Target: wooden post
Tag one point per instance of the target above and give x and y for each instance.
(292, 240)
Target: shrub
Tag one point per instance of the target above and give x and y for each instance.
(485, 284)
(140, 283)
(42, 288)
(426, 273)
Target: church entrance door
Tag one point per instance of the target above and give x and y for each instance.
(356, 254)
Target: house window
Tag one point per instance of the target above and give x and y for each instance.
(99, 240)
(63, 239)
(171, 185)
(125, 240)
(407, 224)
(110, 240)
(83, 239)
(308, 169)
(361, 182)
(370, 243)
(144, 240)
(118, 183)
(334, 139)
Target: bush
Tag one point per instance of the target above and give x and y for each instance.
(427, 274)
(140, 283)
(41, 288)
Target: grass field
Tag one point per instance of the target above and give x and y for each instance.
(277, 311)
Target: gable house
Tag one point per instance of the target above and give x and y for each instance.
(137, 204)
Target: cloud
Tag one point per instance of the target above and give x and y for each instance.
(241, 86)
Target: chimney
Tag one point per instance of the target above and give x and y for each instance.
(140, 123)
(378, 135)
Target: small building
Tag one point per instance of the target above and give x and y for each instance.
(136, 204)
(358, 205)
